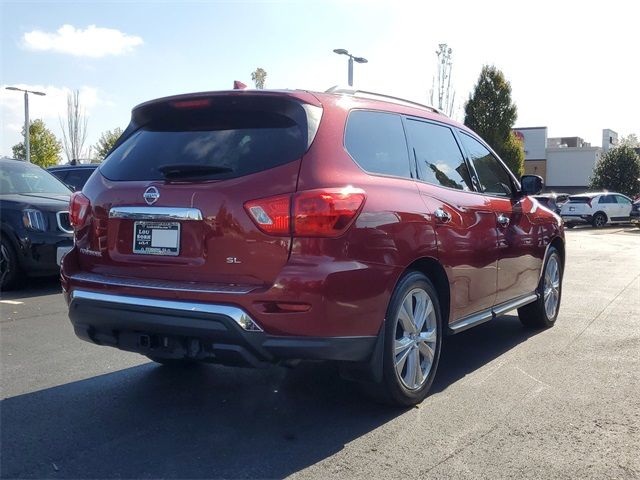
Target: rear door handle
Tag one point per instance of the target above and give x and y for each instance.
(442, 215)
(503, 220)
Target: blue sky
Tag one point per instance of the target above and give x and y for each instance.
(572, 66)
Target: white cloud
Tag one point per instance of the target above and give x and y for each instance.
(49, 108)
(92, 42)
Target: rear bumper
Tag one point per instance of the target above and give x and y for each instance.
(576, 218)
(204, 331)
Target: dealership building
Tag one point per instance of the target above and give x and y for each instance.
(565, 163)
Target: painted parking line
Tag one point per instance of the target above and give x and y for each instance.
(11, 302)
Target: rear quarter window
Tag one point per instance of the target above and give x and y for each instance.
(376, 141)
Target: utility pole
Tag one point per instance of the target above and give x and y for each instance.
(27, 146)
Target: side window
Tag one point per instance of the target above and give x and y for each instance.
(438, 156)
(623, 200)
(78, 177)
(60, 175)
(376, 142)
(494, 179)
(607, 199)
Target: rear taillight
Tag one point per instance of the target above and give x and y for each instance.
(316, 213)
(271, 214)
(79, 206)
(326, 212)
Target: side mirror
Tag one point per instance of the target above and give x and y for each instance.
(531, 184)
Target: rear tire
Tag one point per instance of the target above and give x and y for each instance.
(543, 312)
(10, 273)
(412, 342)
(599, 220)
(173, 362)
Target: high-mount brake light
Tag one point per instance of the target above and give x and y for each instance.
(79, 206)
(196, 103)
(326, 212)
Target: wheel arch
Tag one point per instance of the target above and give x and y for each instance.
(558, 244)
(434, 270)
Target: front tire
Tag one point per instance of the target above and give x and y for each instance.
(543, 312)
(412, 341)
(10, 274)
(599, 220)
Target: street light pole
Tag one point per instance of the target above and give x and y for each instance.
(342, 51)
(27, 140)
(27, 145)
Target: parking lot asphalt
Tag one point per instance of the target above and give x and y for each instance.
(507, 402)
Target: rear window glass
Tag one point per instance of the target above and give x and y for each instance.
(376, 141)
(237, 137)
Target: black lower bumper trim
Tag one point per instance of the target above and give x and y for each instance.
(172, 333)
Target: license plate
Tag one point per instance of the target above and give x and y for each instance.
(61, 252)
(156, 238)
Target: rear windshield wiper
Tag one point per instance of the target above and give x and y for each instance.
(181, 170)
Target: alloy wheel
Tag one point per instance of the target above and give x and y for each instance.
(552, 286)
(415, 339)
(5, 264)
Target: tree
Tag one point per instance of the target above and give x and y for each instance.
(74, 131)
(630, 140)
(491, 113)
(44, 147)
(105, 142)
(259, 77)
(443, 96)
(618, 170)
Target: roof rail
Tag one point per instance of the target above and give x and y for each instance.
(380, 96)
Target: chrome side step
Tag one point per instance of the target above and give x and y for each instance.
(470, 321)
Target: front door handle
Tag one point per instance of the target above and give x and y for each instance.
(503, 220)
(442, 215)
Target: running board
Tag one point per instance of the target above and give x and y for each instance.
(481, 317)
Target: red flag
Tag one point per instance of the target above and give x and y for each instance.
(238, 85)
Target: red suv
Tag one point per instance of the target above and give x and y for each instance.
(253, 227)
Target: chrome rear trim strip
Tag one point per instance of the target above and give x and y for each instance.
(236, 314)
(162, 284)
(155, 213)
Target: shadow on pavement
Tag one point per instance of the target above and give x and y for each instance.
(209, 421)
(467, 351)
(34, 287)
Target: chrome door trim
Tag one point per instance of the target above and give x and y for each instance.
(489, 314)
(515, 303)
(155, 213)
(239, 316)
(469, 321)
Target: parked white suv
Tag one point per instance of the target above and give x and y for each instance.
(598, 209)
